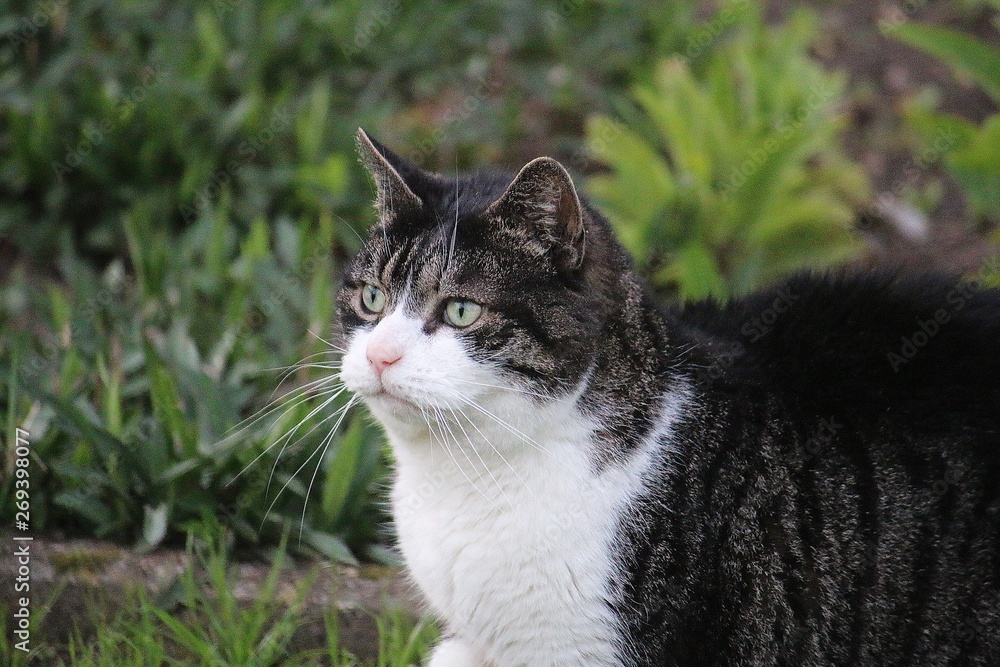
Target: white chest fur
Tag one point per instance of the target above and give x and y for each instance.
(514, 552)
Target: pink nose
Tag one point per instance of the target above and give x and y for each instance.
(381, 355)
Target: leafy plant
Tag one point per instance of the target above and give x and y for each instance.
(107, 109)
(218, 630)
(12, 655)
(970, 154)
(130, 386)
(728, 174)
(151, 111)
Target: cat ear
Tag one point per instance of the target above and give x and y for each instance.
(388, 169)
(543, 194)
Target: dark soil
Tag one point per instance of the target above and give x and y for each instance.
(883, 74)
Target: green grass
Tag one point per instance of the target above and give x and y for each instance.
(970, 154)
(201, 622)
(109, 108)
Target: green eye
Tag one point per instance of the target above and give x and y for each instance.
(462, 314)
(372, 299)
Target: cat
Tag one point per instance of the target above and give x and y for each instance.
(809, 475)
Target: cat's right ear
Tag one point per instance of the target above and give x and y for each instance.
(394, 196)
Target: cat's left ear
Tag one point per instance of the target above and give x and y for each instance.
(543, 194)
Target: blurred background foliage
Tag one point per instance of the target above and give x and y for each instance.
(178, 191)
(971, 154)
(731, 174)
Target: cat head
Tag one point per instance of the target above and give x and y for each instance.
(474, 293)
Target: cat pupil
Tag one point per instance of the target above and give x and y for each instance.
(372, 299)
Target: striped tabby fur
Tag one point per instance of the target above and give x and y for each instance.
(806, 476)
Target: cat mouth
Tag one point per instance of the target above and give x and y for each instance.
(394, 400)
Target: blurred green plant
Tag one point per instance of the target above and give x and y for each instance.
(130, 386)
(728, 173)
(152, 110)
(12, 655)
(523, 75)
(970, 154)
(112, 108)
(972, 6)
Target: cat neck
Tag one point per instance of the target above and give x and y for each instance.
(636, 369)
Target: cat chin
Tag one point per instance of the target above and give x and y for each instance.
(385, 404)
(398, 416)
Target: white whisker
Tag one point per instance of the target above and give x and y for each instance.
(468, 439)
(297, 396)
(342, 412)
(454, 229)
(287, 436)
(323, 380)
(512, 429)
(320, 338)
(349, 226)
(324, 445)
(299, 401)
(444, 445)
(273, 369)
(503, 388)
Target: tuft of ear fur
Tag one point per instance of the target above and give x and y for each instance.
(394, 195)
(543, 194)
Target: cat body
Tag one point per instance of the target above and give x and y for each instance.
(795, 478)
(848, 511)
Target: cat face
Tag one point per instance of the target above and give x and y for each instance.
(469, 291)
